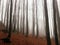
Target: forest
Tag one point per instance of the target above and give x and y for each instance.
(25, 22)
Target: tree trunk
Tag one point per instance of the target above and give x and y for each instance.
(27, 19)
(14, 17)
(37, 19)
(9, 35)
(55, 9)
(47, 24)
(18, 17)
(33, 19)
(23, 14)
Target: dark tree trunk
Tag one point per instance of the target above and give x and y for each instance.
(9, 34)
(2, 12)
(7, 40)
(58, 25)
(27, 19)
(23, 14)
(7, 17)
(37, 19)
(47, 24)
(33, 19)
(18, 17)
(14, 17)
(55, 9)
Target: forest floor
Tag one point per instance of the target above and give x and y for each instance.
(19, 39)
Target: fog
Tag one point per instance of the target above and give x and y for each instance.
(40, 13)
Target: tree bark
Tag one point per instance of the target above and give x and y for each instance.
(55, 10)
(37, 20)
(23, 14)
(33, 19)
(47, 24)
(14, 17)
(27, 19)
(9, 34)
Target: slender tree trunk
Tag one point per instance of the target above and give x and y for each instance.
(18, 17)
(33, 19)
(7, 16)
(58, 24)
(27, 19)
(37, 19)
(9, 35)
(47, 24)
(21, 21)
(2, 11)
(14, 17)
(23, 14)
(55, 9)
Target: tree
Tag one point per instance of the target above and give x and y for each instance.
(27, 19)
(18, 15)
(37, 20)
(14, 17)
(21, 20)
(7, 16)
(23, 14)
(58, 24)
(9, 35)
(47, 24)
(7, 40)
(2, 11)
(33, 18)
(55, 10)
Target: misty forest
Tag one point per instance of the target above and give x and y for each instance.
(31, 18)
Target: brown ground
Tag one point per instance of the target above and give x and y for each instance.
(19, 39)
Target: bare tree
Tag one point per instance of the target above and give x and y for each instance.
(37, 20)
(7, 15)
(2, 11)
(27, 19)
(58, 24)
(18, 16)
(23, 14)
(47, 24)
(10, 26)
(55, 9)
(14, 17)
(21, 21)
(33, 18)
(9, 35)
